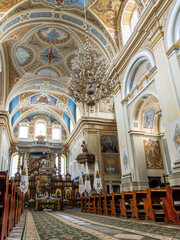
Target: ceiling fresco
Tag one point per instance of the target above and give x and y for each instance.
(6, 5)
(107, 11)
(63, 3)
(44, 53)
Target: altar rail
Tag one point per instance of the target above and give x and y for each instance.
(11, 204)
(157, 204)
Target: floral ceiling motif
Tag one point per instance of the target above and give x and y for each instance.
(44, 53)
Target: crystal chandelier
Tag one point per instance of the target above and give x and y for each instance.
(89, 82)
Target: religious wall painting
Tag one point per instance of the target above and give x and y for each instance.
(67, 193)
(175, 133)
(77, 194)
(111, 163)
(107, 11)
(107, 105)
(58, 193)
(148, 120)
(44, 99)
(125, 161)
(109, 144)
(153, 154)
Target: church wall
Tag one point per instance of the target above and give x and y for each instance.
(161, 81)
(98, 136)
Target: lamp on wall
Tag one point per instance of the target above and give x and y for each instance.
(89, 82)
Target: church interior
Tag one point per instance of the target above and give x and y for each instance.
(89, 119)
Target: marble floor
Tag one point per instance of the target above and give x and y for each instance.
(109, 231)
(74, 225)
(17, 232)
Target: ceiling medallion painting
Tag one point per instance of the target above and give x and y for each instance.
(50, 55)
(47, 72)
(24, 56)
(52, 45)
(72, 62)
(66, 3)
(53, 35)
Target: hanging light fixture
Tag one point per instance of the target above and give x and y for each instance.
(89, 82)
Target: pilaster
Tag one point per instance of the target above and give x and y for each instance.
(169, 101)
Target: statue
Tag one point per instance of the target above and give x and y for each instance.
(84, 147)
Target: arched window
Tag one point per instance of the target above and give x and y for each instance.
(129, 20)
(40, 129)
(63, 165)
(56, 133)
(14, 165)
(23, 131)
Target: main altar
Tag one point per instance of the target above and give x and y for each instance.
(47, 187)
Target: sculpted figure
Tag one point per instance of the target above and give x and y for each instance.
(84, 147)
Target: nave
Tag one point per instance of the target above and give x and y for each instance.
(75, 225)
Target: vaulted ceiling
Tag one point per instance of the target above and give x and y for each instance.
(42, 38)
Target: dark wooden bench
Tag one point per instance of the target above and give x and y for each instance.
(171, 204)
(4, 204)
(153, 204)
(137, 204)
(11, 222)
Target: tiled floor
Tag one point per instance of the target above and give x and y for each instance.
(17, 231)
(109, 231)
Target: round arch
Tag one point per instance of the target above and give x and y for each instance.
(137, 59)
(172, 29)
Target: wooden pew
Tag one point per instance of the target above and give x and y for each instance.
(117, 199)
(16, 206)
(20, 204)
(11, 222)
(125, 206)
(137, 204)
(85, 205)
(153, 204)
(4, 204)
(102, 208)
(109, 204)
(171, 204)
(82, 204)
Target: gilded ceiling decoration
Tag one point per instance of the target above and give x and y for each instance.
(5, 5)
(63, 3)
(107, 11)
